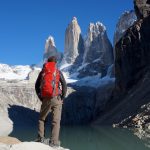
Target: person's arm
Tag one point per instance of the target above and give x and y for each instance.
(37, 85)
(64, 85)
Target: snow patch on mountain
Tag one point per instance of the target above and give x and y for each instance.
(94, 81)
(17, 72)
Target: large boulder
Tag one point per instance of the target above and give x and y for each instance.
(9, 140)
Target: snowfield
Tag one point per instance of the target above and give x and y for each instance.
(90, 81)
(94, 81)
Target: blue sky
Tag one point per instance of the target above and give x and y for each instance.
(25, 24)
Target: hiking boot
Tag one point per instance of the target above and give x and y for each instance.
(40, 139)
(54, 145)
(57, 147)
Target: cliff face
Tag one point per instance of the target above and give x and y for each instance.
(18, 93)
(133, 76)
(129, 106)
(18, 105)
(132, 55)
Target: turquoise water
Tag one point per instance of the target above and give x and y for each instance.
(88, 138)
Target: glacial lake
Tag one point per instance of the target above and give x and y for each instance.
(88, 138)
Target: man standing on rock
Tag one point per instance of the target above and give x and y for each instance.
(51, 89)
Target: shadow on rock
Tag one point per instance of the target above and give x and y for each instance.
(24, 120)
(78, 106)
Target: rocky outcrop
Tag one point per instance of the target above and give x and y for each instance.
(32, 76)
(140, 123)
(51, 50)
(9, 140)
(125, 21)
(74, 47)
(19, 94)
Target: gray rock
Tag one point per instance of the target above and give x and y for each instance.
(9, 140)
(20, 93)
(32, 76)
(73, 43)
(126, 20)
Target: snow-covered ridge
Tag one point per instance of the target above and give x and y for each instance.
(16, 72)
(22, 73)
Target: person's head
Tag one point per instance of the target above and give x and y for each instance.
(52, 59)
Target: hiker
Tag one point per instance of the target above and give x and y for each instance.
(51, 89)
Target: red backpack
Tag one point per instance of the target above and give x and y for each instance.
(50, 80)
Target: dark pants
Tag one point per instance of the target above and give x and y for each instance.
(54, 106)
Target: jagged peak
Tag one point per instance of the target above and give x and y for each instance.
(50, 48)
(126, 20)
(74, 19)
(97, 28)
(74, 22)
(99, 24)
(127, 13)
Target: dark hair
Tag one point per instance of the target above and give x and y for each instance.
(52, 59)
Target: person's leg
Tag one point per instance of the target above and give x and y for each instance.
(56, 109)
(45, 108)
